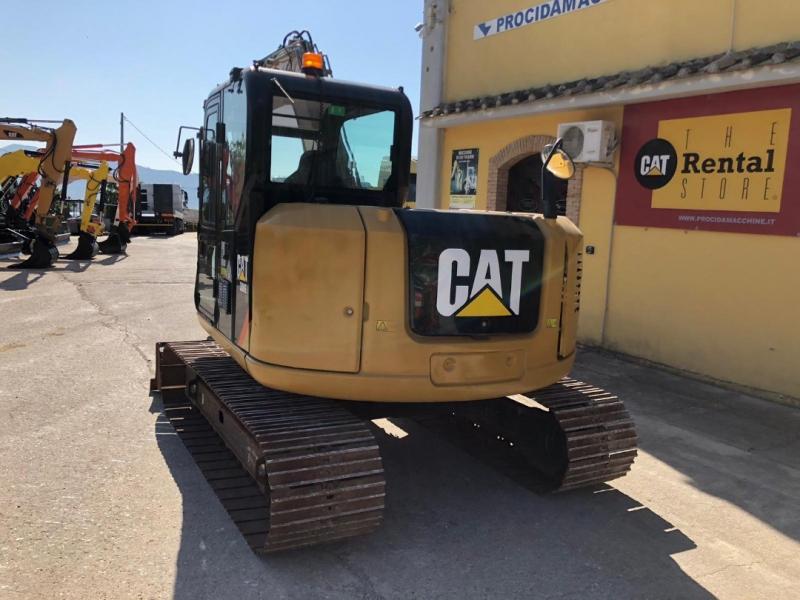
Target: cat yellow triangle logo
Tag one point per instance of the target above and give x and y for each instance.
(655, 172)
(485, 304)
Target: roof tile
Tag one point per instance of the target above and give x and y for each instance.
(717, 63)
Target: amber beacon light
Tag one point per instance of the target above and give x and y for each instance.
(313, 62)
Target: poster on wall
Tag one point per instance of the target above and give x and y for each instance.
(715, 163)
(464, 178)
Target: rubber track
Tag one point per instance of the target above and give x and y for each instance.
(565, 436)
(600, 435)
(318, 475)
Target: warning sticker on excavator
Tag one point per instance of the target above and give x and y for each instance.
(242, 264)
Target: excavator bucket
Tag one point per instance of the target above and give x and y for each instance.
(43, 255)
(87, 247)
(117, 240)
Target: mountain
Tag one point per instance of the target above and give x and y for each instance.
(146, 175)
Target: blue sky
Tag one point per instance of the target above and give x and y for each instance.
(156, 61)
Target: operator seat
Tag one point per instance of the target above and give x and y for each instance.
(323, 164)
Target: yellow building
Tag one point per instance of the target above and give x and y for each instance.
(684, 120)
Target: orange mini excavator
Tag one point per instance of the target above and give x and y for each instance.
(126, 178)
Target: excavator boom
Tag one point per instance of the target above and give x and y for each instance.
(126, 177)
(51, 168)
(96, 180)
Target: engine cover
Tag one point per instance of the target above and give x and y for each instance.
(473, 273)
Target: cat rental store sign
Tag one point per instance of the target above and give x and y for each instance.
(530, 16)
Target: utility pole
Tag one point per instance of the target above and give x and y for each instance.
(121, 132)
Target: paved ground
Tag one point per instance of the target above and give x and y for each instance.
(99, 499)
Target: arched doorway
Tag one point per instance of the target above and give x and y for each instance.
(524, 193)
(522, 156)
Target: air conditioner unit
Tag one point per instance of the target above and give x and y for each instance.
(589, 141)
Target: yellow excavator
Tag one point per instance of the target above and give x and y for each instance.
(90, 227)
(19, 162)
(18, 171)
(52, 167)
(329, 305)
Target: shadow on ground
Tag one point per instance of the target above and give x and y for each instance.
(23, 278)
(730, 445)
(453, 529)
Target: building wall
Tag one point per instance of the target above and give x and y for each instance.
(490, 137)
(720, 304)
(614, 36)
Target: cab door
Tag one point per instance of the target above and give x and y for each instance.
(208, 228)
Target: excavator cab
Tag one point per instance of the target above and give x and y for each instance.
(272, 138)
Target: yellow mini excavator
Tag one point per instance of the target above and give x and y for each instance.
(329, 305)
(90, 227)
(18, 172)
(51, 168)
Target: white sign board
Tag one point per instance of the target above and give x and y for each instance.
(530, 16)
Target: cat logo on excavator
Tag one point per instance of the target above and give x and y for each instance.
(484, 297)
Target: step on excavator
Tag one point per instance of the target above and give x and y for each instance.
(52, 167)
(329, 305)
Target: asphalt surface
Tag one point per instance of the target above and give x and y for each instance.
(99, 499)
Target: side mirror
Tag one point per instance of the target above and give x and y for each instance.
(187, 156)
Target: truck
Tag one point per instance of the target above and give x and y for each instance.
(161, 208)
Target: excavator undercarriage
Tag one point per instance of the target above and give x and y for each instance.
(295, 470)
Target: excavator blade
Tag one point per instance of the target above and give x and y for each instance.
(117, 240)
(43, 254)
(87, 247)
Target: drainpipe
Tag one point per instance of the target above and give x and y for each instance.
(431, 139)
(733, 25)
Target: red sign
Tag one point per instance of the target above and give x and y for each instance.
(721, 162)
